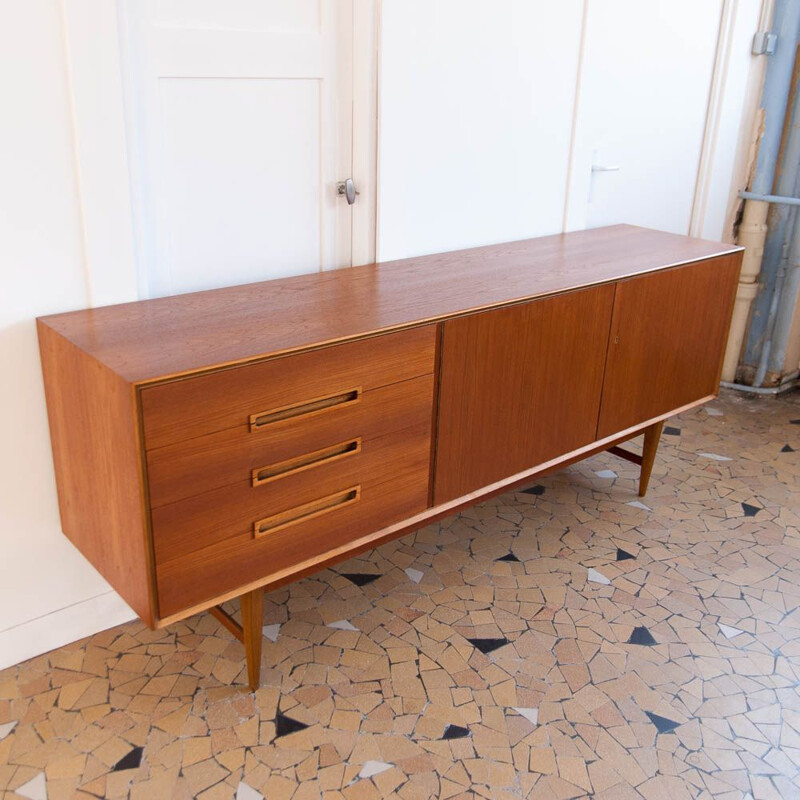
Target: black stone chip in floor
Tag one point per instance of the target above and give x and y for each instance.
(360, 578)
(787, 448)
(670, 430)
(538, 489)
(131, 760)
(455, 732)
(488, 645)
(624, 555)
(640, 635)
(795, 421)
(508, 557)
(663, 725)
(750, 511)
(285, 725)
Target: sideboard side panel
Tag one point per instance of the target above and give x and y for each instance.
(667, 341)
(93, 421)
(519, 386)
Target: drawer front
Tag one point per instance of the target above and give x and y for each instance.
(231, 511)
(385, 483)
(231, 456)
(240, 511)
(303, 387)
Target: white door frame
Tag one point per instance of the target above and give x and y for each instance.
(366, 25)
(95, 86)
(735, 95)
(96, 74)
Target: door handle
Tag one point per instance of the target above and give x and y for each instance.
(348, 189)
(598, 168)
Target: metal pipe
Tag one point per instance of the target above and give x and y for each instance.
(763, 361)
(793, 380)
(772, 178)
(753, 228)
(751, 235)
(777, 82)
(790, 247)
(770, 198)
(785, 316)
(787, 285)
(789, 251)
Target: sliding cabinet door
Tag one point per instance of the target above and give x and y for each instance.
(519, 385)
(668, 337)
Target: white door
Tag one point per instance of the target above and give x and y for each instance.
(644, 94)
(240, 127)
(476, 100)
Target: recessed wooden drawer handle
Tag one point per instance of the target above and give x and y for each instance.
(278, 522)
(291, 466)
(264, 418)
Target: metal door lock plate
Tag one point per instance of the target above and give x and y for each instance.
(764, 43)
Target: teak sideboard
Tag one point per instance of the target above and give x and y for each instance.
(208, 445)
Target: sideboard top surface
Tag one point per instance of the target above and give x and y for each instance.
(165, 337)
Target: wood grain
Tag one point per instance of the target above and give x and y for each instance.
(305, 512)
(352, 547)
(94, 432)
(195, 466)
(229, 512)
(294, 466)
(668, 336)
(220, 614)
(153, 339)
(388, 495)
(252, 620)
(519, 386)
(183, 409)
(628, 455)
(652, 435)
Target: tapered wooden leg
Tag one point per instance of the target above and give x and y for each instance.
(252, 622)
(651, 439)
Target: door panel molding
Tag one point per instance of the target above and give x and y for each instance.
(229, 143)
(102, 82)
(366, 43)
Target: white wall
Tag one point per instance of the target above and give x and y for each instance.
(41, 252)
(490, 115)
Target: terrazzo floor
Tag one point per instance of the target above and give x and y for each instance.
(566, 641)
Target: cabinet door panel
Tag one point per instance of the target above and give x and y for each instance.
(519, 385)
(668, 337)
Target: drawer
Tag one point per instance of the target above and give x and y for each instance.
(388, 492)
(303, 385)
(223, 458)
(231, 511)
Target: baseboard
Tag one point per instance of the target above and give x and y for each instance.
(64, 626)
